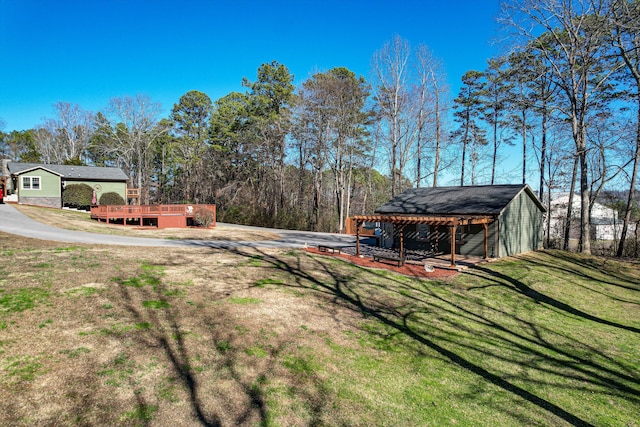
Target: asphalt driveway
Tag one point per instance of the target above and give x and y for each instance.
(14, 222)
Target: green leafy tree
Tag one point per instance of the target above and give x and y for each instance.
(496, 96)
(100, 151)
(190, 117)
(330, 129)
(270, 98)
(21, 146)
(468, 113)
(230, 156)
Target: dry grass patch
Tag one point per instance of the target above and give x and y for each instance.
(116, 336)
(96, 335)
(81, 221)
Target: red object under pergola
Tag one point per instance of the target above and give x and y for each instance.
(452, 222)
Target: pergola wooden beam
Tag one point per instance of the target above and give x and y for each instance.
(426, 219)
(451, 221)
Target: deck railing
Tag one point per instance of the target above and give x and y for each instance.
(152, 210)
(107, 212)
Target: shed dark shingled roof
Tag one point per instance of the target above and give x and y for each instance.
(466, 200)
(73, 172)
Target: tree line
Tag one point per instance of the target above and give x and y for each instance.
(566, 93)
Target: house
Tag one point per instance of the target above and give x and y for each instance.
(486, 220)
(605, 224)
(43, 185)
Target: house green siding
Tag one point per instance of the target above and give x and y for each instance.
(520, 227)
(48, 190)
(105, 187)
(49, 184)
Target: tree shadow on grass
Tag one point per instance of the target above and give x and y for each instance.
(165, 333)
(599, 269)
(225, 368)
(408, 307)
(541, 298)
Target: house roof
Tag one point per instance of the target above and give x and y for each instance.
(94, 173)
(465, 200)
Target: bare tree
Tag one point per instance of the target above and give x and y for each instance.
(129, 135)
(391, 75)
(65, 138)
(432, 93)
(569, 36)
(311, 133)
(625, 35)
(331, 118)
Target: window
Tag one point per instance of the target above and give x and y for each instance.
(31, 183)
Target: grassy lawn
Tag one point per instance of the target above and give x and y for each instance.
(96, 335)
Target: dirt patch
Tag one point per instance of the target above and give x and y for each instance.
(413, 270)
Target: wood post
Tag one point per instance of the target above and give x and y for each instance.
(486, 243)
(357, 239)
(452, 229)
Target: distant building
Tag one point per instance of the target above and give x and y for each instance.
(605, 224)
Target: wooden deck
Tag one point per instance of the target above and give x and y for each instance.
(161, 216)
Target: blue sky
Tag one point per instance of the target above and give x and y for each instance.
(86, 52)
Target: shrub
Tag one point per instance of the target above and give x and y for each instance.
(77, 195)
(111, 198)
(203, 217)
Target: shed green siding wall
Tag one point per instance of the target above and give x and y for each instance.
(473, 240)
(49, 184)
(520, 227)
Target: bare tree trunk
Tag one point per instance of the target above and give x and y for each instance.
(495, 151)
(348, 195)
(524, 146)
(372, 163)
(585, 205)
(567, 229)
(436, 162)
(632, 187)
(548, 219)
(543, 152)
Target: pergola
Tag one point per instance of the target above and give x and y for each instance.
(451, 221)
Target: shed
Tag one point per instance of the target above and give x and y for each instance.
(43, 184)
(485, 220)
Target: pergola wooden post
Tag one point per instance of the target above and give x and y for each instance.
(486, 243)
(452, 230)
(357, 238)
